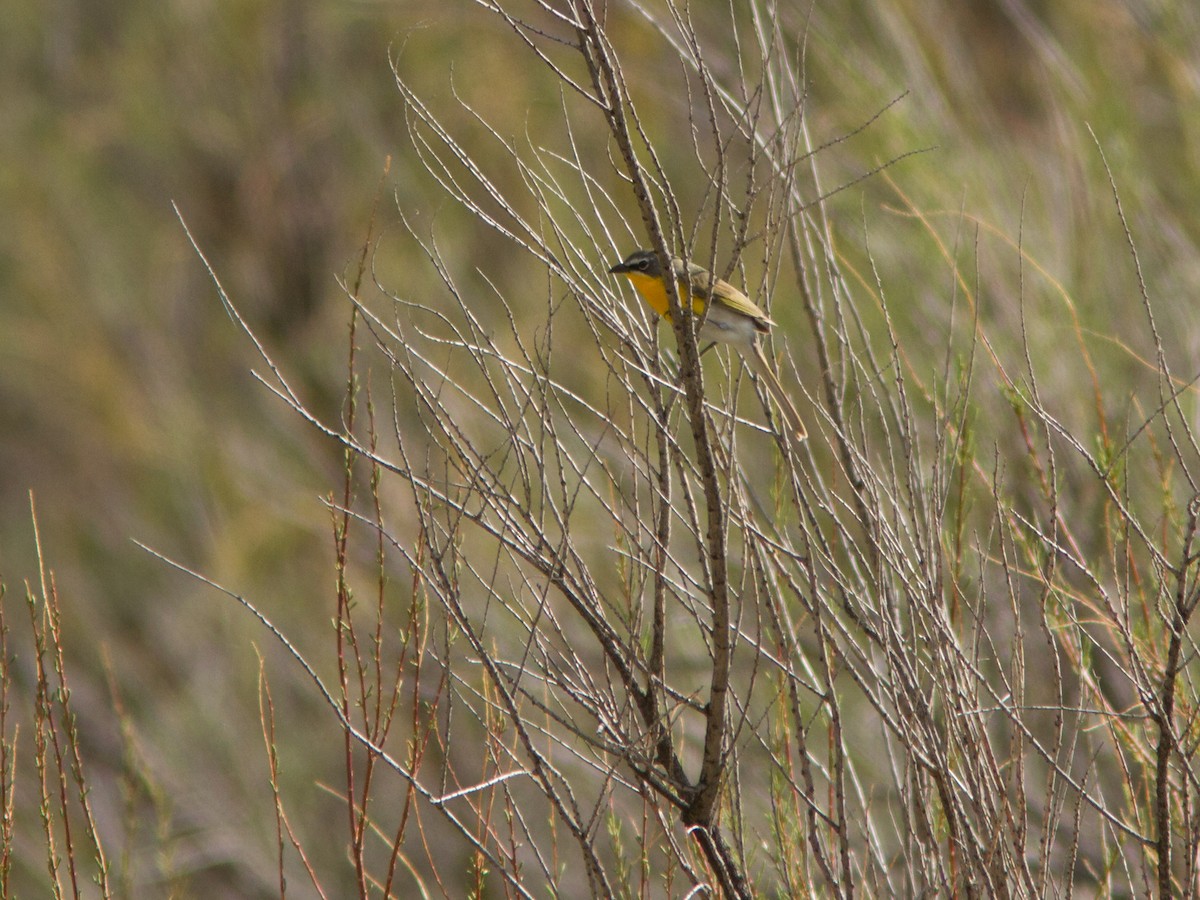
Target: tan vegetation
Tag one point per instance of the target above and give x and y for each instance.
(388, 546)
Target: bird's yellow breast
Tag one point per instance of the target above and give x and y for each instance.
(654, 292)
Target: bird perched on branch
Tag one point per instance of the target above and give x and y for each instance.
(732, 319)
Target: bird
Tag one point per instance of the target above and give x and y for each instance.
(733, 318)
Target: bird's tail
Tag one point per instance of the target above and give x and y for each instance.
(762, 367)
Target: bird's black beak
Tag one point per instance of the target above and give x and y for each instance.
(618, 269)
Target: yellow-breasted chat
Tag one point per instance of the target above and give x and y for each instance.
(732, 319)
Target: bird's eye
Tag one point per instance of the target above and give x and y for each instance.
(643, 264)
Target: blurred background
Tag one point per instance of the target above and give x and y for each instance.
(127, 403)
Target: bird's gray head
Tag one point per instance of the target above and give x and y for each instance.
(644, 262)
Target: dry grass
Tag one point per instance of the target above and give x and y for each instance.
(598, 626)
